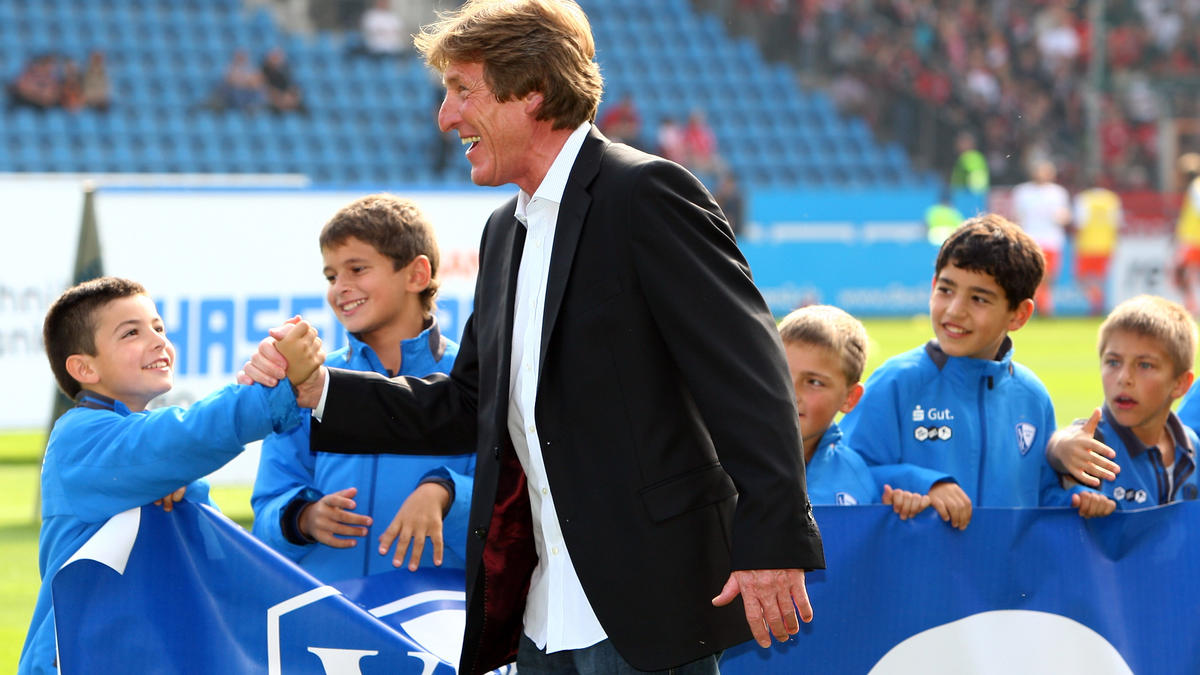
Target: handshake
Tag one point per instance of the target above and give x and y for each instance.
(291, 351)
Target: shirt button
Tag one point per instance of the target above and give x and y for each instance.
(554, 550)
(545, 491)
(531, 428)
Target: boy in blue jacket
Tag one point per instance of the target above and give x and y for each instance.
(381, 260)
(826, 350)
(1147, 349)
(108, 454)
(957, 418)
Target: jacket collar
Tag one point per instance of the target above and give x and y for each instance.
(90, 399)
(1134, 444)
(576, 202)
(1001, 364)
(429, 339)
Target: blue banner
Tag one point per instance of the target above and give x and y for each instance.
(1037, 590)
(1019, 591)
(192, 592)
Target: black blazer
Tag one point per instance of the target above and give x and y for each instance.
(664, 407)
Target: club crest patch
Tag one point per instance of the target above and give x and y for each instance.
(1025, 435)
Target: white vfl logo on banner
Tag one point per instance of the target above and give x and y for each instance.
(982, 644)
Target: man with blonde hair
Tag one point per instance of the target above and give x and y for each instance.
(621, 378)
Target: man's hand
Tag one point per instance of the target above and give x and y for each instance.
(1092, 504)
(772, 599)
(419, 517)
(951, 503)
(330, 516)
(267, 366)
(301, 348)
(1075, 452)
(906, 504)
(171, 500)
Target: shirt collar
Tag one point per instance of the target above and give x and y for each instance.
(555, 182)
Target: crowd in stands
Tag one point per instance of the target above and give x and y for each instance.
(692, 144)
(1014, 73)
(249, 87)
(55, 81)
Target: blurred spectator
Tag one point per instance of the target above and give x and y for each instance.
(942, 219)
(670, 141)
(71, 87)
(383, 31)
(1098, 221)
(95, 82)
(621, 122)
(700, 144)
(242, 87)
(1187, 234)
(970, 169)
(37, 86)
(283, 95)
(1043, 209)
(729, 197)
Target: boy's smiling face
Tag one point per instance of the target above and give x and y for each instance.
(1140, 382)
(970, 312)
(366, 292)
(134, 360)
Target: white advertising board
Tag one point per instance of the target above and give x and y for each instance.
(224, 265)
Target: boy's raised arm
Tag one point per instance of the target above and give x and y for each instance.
(1074, 451)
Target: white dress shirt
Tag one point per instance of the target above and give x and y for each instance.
(558, 615)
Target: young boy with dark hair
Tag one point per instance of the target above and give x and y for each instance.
(1147, 349)
(826, 351)
(381, 261)
(957, 418)
(109, 351)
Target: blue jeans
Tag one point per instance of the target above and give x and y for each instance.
(599, 659)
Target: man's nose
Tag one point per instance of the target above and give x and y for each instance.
(447, 116)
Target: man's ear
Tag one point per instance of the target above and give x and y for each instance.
(80, 367)
(1022, 314)
(418, 274)
(533, 102)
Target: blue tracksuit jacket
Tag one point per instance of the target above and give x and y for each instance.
(290, 476)
(102, 459)
(927, 417)
(1143, 478)
(836, 474)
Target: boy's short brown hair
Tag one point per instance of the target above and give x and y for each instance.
(395, 226)
(70, 324)
(992, 244)
(832, 328)
(1158, 319)
(525, 46)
